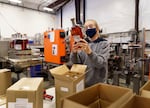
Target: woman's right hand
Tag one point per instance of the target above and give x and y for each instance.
(75, 47)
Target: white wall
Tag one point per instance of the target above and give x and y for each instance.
(112, 15)
(68, 13)
(58, 20)
(144, 21)
(14, 19)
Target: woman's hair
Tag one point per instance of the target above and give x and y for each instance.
(95, 23)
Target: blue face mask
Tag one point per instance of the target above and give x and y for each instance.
(91, 32)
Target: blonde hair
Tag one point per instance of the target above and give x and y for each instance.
(95, 23)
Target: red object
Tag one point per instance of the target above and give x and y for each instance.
(46, 96)
(76, 30)
(19, 44)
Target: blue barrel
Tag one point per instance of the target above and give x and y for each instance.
(35, 70)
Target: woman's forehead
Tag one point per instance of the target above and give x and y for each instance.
(89, 23)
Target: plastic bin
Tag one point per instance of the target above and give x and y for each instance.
(35, 70)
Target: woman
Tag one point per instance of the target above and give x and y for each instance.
(94, 53)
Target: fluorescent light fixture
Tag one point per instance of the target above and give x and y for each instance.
(48, 9)
(16, 1)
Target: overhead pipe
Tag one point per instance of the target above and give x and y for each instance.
(61, 17)
(77, 11)
(63, 5)
(41, 5)
(27, 8)
(137, 15)
(84, 7)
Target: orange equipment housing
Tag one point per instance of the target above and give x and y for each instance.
(54, 46)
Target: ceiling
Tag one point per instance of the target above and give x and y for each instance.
(39, 4)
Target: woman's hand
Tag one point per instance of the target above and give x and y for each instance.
(82, 45)
(75, 47)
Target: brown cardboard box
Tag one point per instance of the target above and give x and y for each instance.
(98, 96)
(26, 93)
(145, 89)
(136, 102)
(5, 77)
(68, 81)
(2, 99)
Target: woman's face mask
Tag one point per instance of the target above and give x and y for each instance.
(91, 32)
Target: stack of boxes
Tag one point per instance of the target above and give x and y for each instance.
(70, 92)
(141, 101)
(136, 102)
(26, 93)
(68, 81)
(108, 96)
(98, 96)
(5, 77)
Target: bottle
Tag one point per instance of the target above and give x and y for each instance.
(76, 30)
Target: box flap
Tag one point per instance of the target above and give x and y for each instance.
(78, 68)
(145, 89)
(136, 101)
(2, 100)
(112, 92)
(71, 104)
(4, 70)
(26, 84)
(129, 103)
(60, 70)
(103, 96)
(145, 93)
(146, 86)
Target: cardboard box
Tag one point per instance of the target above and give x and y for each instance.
(136, 102)
(5, 77)
(98, 96)
(145, 89)
(2, 100)
(68, 81)
(26, 93)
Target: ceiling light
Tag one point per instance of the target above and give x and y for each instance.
(16, 1)
(48, 9)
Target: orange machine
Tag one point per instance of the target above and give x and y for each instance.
(54, 46)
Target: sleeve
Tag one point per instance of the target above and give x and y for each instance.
(75, 58)
(101, 57)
